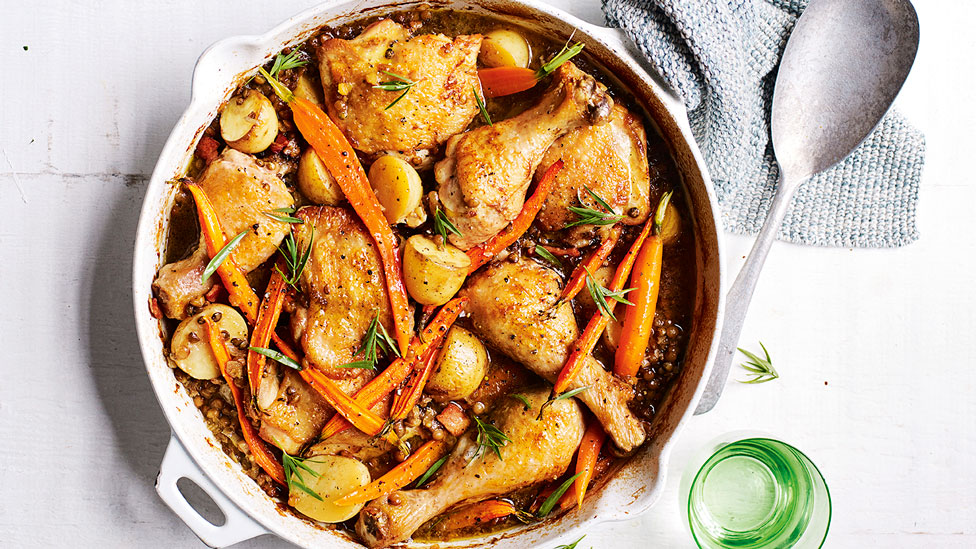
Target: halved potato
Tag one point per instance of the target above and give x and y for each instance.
(432, 273)
(189, 348)
(671, 226)
(309, 89)
(460, 367)
(249, 122)
(315, 181)
(504, 48)
(337, 476)
(397, 186)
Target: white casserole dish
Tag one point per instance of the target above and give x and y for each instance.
(195, 454)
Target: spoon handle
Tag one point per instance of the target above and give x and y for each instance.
(740, 295)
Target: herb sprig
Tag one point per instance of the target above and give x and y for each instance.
(430, 472)
(399, 83)
(547, 255)
(600, 295)
(285, 62)
(571, 545)
(550, 503)
(523, 399)
(761, 369)
(443, 225)
(489, 438)
(375, 340)
(282, 214)
(293, 467)
(275, 355)
(568, 52)
(590, 216)
(294, 258)
(561, 396)
(481, 106)
(221, 255)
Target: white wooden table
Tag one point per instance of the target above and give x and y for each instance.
(874, 346)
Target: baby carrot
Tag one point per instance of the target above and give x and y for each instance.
(398, 477)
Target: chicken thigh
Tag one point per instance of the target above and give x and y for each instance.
(438, 105)
(610, 160)
(295, 416)
(483, 180)
(539, 450)
(241, 192)
(512, 308)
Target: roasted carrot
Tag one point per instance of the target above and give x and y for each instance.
(486, 251)
(591, 335)
(569, 498)
(586, 457)
(577, 281)
(340, 158)
(477, 514)
(259, 450)
(639, 317)
(398, 477)
(268, 314)
(411, 393)
(355, 413)
(240, 293)
(499, 81)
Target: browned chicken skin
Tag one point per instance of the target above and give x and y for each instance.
(540, 450)
(611, 160)
(438, 106)
(295, 416)
(483, 180)
(241, 192)
(511, 307)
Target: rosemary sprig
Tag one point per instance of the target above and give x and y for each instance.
(600, 295)
(551, 501)
(547, 255)
(571, 545)
(430, 472)
(294, 258)
(275, 355)
(523, 399)
(490, 438)
(285, 62)
(398, 83)
(589, 216)
(443, 225)
(561, 396)
(221, 255)
(293, 467)
(568, 52)
(282, 214)
(760, 369)
(481, 106)
(376, 339)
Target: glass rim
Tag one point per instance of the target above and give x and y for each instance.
(701, 469)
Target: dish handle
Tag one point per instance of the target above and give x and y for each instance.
(178, 464)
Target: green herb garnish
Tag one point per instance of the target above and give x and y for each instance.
(221, 255)
(561, 396)
(275, 355)
(481, 106)
(547, 255)
(600, 295)
(523, 400)
(589, 216)
(294, 258)
(285, 62)
(571, 545)
(760, 369)
(376, 339)
(550, 502)
(430, 472)
(280, 89)
(282, 214)
(399, 83)
(489, 437)
(568, 52)
(293, 467)
(443, 225)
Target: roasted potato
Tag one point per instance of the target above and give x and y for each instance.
(189, 349)
(249, 122)
(309, 89)
(460, 367)
(315, 181)
(337, 476)
(432, 273)
(671, 226)
(397, 186)
(504, 48)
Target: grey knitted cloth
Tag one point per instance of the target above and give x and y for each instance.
(721, 56)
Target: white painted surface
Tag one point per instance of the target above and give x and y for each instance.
(874, 346)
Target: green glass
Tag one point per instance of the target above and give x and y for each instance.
(758, 492)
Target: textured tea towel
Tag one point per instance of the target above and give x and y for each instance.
(721, 57)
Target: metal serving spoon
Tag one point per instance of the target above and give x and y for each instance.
(843, 66)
